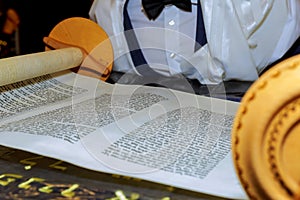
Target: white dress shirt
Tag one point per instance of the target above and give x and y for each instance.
(179, 24)
(243, 37)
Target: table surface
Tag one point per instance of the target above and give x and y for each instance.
(24, 175)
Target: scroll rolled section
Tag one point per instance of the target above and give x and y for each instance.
(19, 68)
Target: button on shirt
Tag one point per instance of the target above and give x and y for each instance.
(166, 41)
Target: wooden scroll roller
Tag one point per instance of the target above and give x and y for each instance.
(266, 134)
(75, 43)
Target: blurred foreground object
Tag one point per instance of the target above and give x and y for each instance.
(9, 24)
(12, 22)
(266, 134)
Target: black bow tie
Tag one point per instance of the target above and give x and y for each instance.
(154, 7)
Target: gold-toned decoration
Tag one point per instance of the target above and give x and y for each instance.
(26, 184)
(6, 179)
(70, 191)
(30, 162)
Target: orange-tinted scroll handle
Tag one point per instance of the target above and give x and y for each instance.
(76, 43)
(90, 38)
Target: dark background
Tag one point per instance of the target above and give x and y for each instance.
(38, 17)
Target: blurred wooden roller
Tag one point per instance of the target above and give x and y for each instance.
(75, 43)
(266, 134)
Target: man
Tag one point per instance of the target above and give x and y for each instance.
(209, 40)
